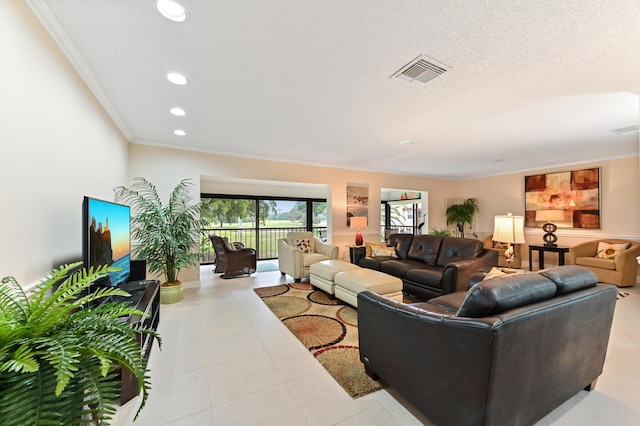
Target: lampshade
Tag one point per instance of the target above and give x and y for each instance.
(549, 215)
(358, 222)
(509, 229)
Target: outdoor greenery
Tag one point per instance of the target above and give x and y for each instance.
(166, 233)
(216, 212)
(59, 353)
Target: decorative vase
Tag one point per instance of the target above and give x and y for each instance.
(171, 292)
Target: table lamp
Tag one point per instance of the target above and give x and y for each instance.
(358, 222)
(549, 216)
(509, 229)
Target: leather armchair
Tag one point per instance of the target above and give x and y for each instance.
(502, 260)
(294, 261)
(621, 272)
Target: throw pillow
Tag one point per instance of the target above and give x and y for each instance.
(610, 251)
(494, 272)
(369, 248)
(227, 244)
(303, 244)
(386, 251)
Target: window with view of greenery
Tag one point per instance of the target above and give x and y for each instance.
(258, 222)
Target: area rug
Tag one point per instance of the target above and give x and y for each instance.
(325, 326)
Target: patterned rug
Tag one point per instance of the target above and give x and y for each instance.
(325, 326)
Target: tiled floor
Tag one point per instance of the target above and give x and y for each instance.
(227, 360)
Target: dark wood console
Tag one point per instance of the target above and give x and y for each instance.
(150, 305)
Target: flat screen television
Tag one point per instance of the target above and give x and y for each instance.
(106, 238)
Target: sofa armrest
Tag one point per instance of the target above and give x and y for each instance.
(586, 249)
(289, 259)
(329, 250)
(455, 275)
(627, 263)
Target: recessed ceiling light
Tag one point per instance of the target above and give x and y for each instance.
(171, 10)
(406, 143)
(177, 78)
(179, 132)
(177, 111)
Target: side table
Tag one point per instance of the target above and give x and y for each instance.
(561, 250)
(356, 253)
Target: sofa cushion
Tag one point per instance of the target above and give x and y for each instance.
(596, 262)
(570, 278)
(497, 295)
(309, 259)
(455, 249)
(369, 248)
(428, 275)
(610, 251)
(401, 243)
(373, 262)
(425, 248)
(399, 268)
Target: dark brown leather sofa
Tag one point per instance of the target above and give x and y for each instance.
(430, 265)
(507, 352)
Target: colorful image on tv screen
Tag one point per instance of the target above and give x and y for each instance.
(109, 238)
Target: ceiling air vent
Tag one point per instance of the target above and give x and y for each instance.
(420, 71)
(625, 130)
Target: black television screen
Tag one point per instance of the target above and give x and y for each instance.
(107, 238)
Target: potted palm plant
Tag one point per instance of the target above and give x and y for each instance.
(60, 353)
(166, 235)
(462, 213)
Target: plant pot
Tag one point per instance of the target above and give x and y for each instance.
(171, 292)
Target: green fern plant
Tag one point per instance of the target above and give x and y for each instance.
(59, 352)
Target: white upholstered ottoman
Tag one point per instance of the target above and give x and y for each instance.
(349, 283)
(321, 274)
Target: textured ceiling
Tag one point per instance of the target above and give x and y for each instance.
(533, 84)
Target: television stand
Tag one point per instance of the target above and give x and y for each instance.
(149, 303)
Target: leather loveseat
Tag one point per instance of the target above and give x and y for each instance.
(506, 352)
(431, 265)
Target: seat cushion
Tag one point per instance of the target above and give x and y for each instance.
(430, 276)
(309, 259)
(596, 262)
(399, 268)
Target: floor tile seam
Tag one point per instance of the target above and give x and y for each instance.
(173, 421)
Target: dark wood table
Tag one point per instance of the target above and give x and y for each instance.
(561, 250)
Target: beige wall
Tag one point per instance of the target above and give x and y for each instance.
(620, 205)
(57, 146)
(496, 195)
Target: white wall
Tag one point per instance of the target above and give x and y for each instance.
(57, 145)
